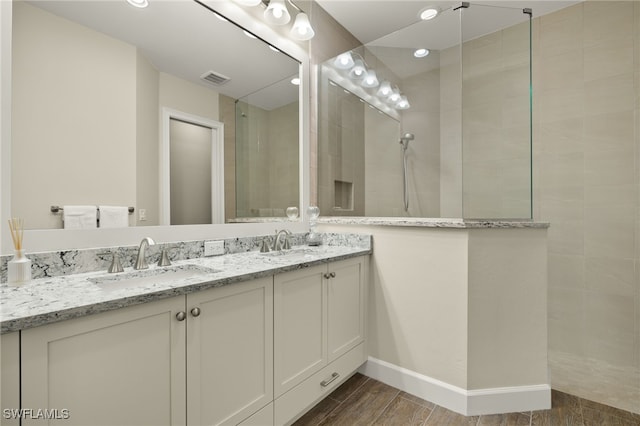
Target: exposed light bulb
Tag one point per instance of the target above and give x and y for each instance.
(385, 89)
(344, 61)
(141, 4)
(276, 13)
(403, 103)
(394, 97)
(295, 81)
(370, 79)
(301, 29)
(358, 70)
(421, 53)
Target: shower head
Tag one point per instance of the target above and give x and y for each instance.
(404, 140)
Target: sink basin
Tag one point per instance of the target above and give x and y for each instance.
(159, 275)
(294, 253)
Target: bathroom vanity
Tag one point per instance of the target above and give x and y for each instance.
(256, 339)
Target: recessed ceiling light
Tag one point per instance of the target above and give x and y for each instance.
(429, 13)
(421, 53)
(139, 3)
(295, 81)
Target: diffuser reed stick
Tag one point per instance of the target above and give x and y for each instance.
(16, 226)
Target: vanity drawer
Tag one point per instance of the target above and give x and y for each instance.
(298, 400)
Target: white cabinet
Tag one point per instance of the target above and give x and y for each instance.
(319, 330)
(137, 365)
(10, 378)
(229, 352)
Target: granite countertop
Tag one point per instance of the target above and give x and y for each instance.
(432, 222)
(47, 300)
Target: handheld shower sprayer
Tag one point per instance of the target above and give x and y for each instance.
(404, 140)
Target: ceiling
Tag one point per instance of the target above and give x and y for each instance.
(369, 20)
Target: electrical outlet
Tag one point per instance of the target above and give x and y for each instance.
(213, 248)
(142, 215)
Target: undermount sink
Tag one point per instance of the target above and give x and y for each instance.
(158, 275)
(296, 252)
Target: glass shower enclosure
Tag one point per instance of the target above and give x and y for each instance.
(432, 120)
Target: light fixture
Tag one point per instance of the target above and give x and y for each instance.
(358, 70)
(295, 81)
(276, 13)
(385, 89)
(403, 103)
(429, 13)
(344, 61)
(421, 53)
(301, 29)
(394, 97)
(248, 2)
(370, 79)
(138, 3)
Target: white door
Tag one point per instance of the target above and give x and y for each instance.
(192, 169)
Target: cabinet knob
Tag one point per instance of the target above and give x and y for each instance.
(332, 274)
(180, 316)
(326, 276)
(195, 312)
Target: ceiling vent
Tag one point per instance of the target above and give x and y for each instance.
(215, 78)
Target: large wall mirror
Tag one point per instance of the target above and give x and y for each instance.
(155, 109)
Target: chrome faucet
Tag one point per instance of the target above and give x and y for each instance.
(141, 261)
(277, 244)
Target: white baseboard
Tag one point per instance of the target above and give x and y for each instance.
(462, 401)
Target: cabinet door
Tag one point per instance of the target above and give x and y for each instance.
(229, 352)
(299, 326)
(124, 367)
(346, 306)
(10, 374)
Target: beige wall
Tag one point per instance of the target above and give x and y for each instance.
(586, 147)
(147, 142)
(466, 307)
(284, 156)
(54, 59)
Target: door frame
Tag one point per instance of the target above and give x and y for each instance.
(217, 163)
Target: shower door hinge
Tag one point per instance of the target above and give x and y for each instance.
(464, 4)
(528, 11)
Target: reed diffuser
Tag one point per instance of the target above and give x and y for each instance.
(18, 268)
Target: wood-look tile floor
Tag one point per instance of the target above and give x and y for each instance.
(365, 401)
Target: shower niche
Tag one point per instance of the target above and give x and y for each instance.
(461, 84)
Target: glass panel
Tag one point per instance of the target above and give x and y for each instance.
(396, 159)
(267, 152)
(496, 120)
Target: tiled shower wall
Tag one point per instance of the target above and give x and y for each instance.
(586, 183)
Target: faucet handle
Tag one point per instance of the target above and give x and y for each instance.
(264, 247)
(164, 258)
(116, 266)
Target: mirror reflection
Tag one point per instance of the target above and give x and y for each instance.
(105, 98)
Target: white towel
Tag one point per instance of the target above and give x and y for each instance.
(114, 216)
(80, 217)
